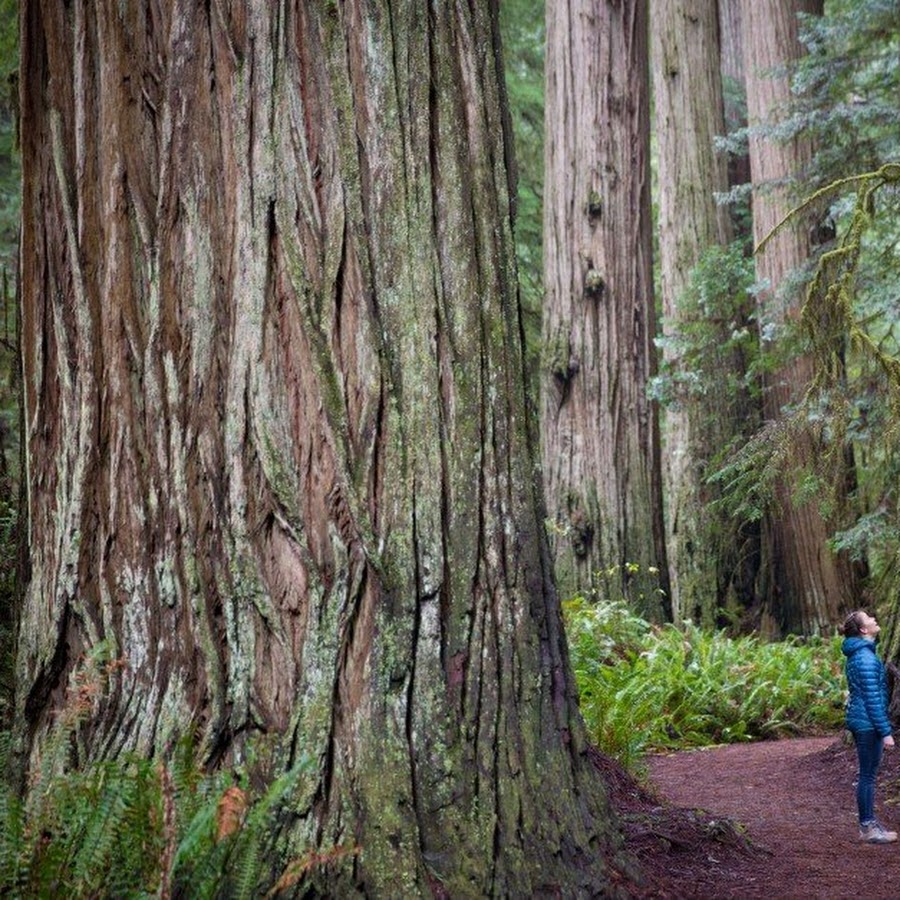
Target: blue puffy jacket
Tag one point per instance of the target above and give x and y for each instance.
(867, 705)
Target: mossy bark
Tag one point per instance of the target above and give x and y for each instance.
(599, 430)
(279, 454)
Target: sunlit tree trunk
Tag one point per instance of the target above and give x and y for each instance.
(808, 586)
(708, 551)
(599, 431)
(279, 457)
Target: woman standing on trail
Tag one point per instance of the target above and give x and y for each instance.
(867, 717)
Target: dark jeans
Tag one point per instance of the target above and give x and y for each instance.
(869, 747)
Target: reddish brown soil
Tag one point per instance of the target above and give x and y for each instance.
(774, 819)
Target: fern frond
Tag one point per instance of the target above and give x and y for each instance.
(12, 825)
(199, 860)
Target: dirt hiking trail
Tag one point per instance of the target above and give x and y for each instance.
(794, 808)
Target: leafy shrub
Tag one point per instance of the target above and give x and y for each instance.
(646, 688)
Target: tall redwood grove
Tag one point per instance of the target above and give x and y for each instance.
(280, 464)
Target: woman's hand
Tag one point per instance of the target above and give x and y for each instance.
(888, 740)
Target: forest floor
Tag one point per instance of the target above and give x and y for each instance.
(775, 819)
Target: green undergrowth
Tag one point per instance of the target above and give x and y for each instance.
(647, 688)
(135, 827)
(138, 827)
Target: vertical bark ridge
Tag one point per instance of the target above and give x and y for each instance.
(704, 548)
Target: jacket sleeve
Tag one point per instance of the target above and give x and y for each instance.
(872, 685)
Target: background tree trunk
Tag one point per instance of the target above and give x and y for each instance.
(731, 47)
(600, 441)
(734, 90)
(810, 588)
(708, 551)
(279, 457)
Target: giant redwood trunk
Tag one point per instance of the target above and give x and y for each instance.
(709, 552)
(809, 588)
(279, 457)
(599, 430)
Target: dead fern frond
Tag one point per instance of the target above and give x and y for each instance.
(230, 812)
(298, 868)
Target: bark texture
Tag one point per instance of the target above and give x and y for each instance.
(710, 554)
(809, 588)
(279, 456)
(600, 435)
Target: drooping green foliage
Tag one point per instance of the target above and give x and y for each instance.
(844, 91)
(712, 330)
(647, 687)
(846, 87)
(852, 404)
(845, 102)
(851, 316)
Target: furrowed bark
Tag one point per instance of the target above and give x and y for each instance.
(711, 555)
(280, 458)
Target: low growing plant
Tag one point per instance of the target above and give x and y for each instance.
(133, 827)
(646, 688)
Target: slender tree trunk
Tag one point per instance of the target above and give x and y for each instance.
(600, 441)
(731, 42)
(707, 550)
(279, 457)
(809, 587)
(731, 46)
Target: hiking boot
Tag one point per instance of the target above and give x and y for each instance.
(876, 833)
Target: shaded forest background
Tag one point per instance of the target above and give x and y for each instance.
(721, 342)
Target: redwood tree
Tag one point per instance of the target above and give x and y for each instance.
(808, 586)
(709, 552)
(731, 48)
(599, 430)
(280, 462)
